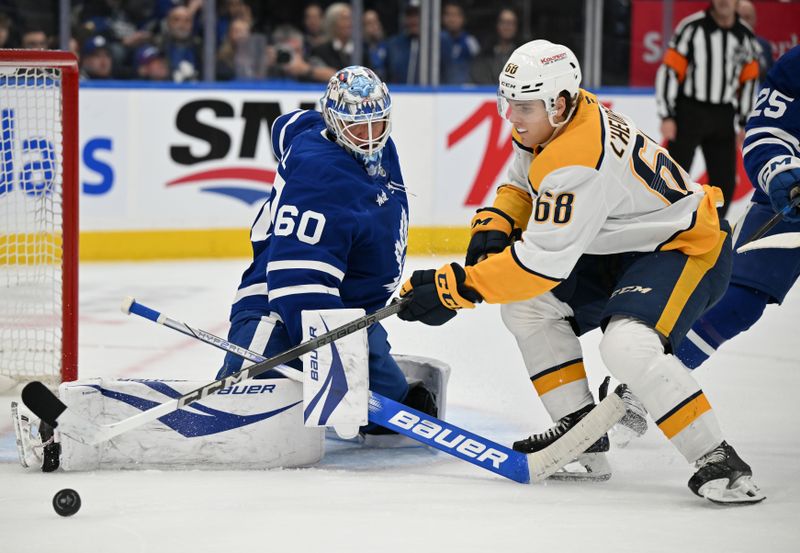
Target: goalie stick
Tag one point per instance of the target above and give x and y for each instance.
(437, 433)
(49, 408)
(404, 420)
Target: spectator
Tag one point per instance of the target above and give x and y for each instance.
(374, 44)
(488, 65)
(96, 60)
(35, 39)
(180, 46)
(228, 11)
(701, 91)
(402, 50)
(125, 25)
(243, 54)
(458, 47)
(5, 31)
(747, 11)
(151, 65)
(337, 50)
(312, 23)
(286, 60)
(75, 47)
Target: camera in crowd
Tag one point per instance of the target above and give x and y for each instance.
(283, 55)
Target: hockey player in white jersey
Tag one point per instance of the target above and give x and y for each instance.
(614, 235)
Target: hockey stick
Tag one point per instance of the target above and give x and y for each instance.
(50, 409)
(784, 240)
(437, 433)
(766, 227)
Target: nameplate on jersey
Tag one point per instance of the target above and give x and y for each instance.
(336, 375)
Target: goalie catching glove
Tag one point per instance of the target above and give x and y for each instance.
(436, 295)
(491, 233)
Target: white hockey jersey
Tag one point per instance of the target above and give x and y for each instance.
(601, 186)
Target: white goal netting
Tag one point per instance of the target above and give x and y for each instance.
(31, 194)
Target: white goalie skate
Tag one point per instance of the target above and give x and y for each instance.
(34, 451)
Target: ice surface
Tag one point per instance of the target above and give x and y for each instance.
(409, 500)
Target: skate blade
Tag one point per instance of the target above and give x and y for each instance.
(587, 467)
(742, 492)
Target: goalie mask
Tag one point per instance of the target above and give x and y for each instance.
(539, 70)
(357, 110)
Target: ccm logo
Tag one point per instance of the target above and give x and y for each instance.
(463, 445)
(627, 289)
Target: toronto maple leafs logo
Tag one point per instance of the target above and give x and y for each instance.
(382, 198)
(400, 246)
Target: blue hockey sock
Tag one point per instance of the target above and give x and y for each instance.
(737, 311)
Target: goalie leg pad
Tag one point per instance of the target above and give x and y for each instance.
(255, 424)
(335, 376)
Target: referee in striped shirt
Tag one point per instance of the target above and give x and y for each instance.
(706, 83)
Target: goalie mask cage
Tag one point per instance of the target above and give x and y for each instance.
(38, 216)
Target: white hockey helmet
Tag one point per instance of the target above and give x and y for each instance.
(539, 70)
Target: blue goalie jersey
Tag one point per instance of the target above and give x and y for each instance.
(329, 236)
(772, 142)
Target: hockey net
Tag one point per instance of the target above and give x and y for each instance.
(38, 216)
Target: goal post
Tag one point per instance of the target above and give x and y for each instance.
(38, 216)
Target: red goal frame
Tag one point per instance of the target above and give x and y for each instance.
(68, 64)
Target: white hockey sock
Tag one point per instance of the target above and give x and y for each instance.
(551, 352)
(634, 354)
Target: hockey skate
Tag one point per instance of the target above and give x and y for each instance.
(590, 465)
(633, 423)
(36, 445)
(722, 477)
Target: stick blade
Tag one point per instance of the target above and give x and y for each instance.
(784, 240)
(546, 462)
(42, 402)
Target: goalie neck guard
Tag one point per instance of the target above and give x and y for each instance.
(356, 99)
(539, 70)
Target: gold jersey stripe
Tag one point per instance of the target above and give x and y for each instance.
(515, 203)
(704, 234)
(502, 279)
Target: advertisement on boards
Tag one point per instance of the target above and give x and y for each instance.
(776, 21)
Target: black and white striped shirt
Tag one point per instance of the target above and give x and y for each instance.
(709, 64)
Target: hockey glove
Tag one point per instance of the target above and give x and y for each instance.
(437, 295)
(491, 231)
(782, 189)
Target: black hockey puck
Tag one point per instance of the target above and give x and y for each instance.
(66, 502)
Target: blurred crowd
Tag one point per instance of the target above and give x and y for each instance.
(161, 40)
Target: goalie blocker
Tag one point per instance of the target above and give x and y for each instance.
(255, 424)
